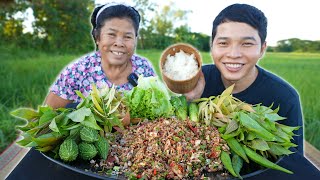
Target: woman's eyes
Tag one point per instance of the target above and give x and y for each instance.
(111, 34)
(128, 37)
(114, 35)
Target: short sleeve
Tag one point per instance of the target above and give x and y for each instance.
(142, 66)
(65, 84)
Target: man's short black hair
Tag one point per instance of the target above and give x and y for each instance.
(242, 13)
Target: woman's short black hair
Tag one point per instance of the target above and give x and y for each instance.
(243, 13)
(113, 11)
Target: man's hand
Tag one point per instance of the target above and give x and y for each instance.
(198, 90)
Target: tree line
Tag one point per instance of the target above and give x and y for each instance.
(64, 26)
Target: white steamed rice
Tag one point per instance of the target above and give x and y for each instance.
(181, 66)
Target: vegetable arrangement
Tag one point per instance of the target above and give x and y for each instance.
(247, 133)
(251, 132)
(68, 133)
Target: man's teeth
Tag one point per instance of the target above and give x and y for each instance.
(117, 53)
(234, 65)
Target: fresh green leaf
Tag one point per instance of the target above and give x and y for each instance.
(80, 114)
(253, 126)
(274, 117)
(287, 129)
(43, 109)
(25, 113)
(47, 116)
(278, 150)
(259, 144)
(232, 126)
(237, 164)
(91, 122)
(150, 99)
(280, 133)
(53, 126)
(72, 126)
(47, 139)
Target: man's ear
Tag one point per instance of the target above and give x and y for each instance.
(263, 49)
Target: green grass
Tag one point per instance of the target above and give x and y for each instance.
(26, 77)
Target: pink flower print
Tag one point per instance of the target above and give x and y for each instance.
(77, 75)
(70, 91)
(81, 78)
(90, 79)
(65, 73)
(64, 96)
(88, 88)
(91, 69)
(81, 67)
(55, 88)
(75, 97)
(101, 84)
(139, 62)
(85, 82)
(69, 81)
(140, 70)
(99, 77)
(97, 68)
(85, 93)
(109, 84)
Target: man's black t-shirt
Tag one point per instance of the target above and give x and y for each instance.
(267, 89)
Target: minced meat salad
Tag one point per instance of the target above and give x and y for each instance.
(167, 148)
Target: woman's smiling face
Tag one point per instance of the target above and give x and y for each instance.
(117, 41)
(236, 49)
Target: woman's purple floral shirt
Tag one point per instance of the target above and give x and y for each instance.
(87, 70)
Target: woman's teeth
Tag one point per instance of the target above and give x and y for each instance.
(117, 53)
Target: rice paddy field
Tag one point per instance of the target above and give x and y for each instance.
(26, 77)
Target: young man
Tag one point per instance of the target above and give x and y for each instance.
(238, 42)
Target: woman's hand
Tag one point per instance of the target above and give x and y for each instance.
(198, 90)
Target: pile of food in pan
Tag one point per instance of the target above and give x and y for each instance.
(148, 133)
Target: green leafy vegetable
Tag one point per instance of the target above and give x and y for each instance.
(237, 164)
(150, 99)
(180, 106)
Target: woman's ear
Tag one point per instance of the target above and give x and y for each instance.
(96, 36)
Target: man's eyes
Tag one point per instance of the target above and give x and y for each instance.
(223, 43)
(247, 44)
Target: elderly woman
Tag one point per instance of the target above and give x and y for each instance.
(115, 31)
